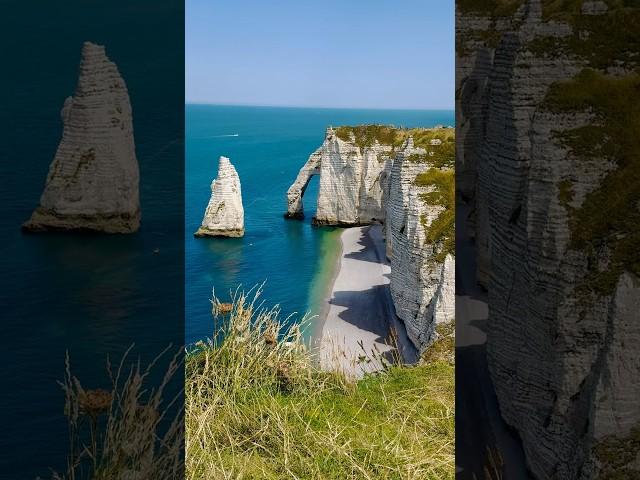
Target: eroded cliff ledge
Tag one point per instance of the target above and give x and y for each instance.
(224, 216)
(92, 182)
(404, 179)
(419, 237)
(549, 164)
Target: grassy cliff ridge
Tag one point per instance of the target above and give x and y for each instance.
(367, 135)
(258, 407)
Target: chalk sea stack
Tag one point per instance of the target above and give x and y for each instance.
(224, 216)
(93, 181)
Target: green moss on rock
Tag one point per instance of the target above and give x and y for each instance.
(610, 39)
(441, 232)
(616, 453)
(608, 219)
(565, 193)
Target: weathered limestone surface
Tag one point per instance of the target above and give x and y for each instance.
(401, 182)
(562, 376)
(422, 289)
(351, 182)
(224, 216)
(93, 180)
(360, 186)
(296, 191)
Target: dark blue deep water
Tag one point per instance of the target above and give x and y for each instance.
(292, 257)
(90, 295)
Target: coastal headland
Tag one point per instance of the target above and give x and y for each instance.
(392, 190)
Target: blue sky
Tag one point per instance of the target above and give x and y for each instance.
(322, 53)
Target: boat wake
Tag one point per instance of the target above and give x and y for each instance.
(222, 136)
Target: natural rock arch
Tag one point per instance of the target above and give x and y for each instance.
(295, 208)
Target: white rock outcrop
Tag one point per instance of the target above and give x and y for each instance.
(562, 375)
(224, 216)
(371, 184)
(352, 182)
(295, 208)
(93, 180)
(422, 288)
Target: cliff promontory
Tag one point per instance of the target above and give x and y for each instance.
(224, 216)
(352, 173)
(93, 180)
(419, 240)
(402, 178)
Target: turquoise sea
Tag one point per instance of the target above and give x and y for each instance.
(268, 146)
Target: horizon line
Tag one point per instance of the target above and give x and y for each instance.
(219, 104)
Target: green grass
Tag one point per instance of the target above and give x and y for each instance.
(366, 135)
(602, 41)
(608, 218)
(130, 427)
(615, 454)
(444, 155)
(443, 347)
(441, 232)
(258, 408)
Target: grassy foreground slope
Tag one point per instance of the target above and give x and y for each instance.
(257, 407)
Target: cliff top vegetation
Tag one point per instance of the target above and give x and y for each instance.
(366, 135)
(609, 216)
(489, 8)
(258, 407)
(441, 232)
(605, 40)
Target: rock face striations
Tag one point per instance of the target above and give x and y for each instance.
(545, 151)
(224, 216)
(93, 180)
(376, 174)
(422, 265)
(351, 182)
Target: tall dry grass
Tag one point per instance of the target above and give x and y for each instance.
(125, 432)
(257, 407)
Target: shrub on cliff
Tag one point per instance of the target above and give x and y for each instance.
(441, 231)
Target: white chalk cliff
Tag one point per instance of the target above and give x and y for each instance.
(352, 181)
(360, 185)
(560, 313)
(93, 180)
(422, 287)
(224, 216)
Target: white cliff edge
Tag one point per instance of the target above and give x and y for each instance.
(224, 216)
(422, 287)
(352, 181)
(93, 179)
(375, 184)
